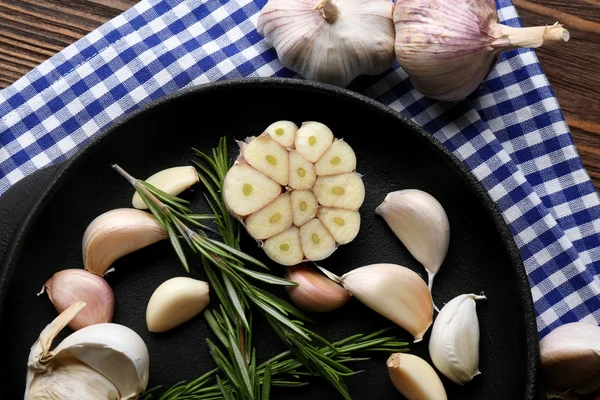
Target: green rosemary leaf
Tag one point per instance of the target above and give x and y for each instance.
(277, 316)
(289, 384)
(214, 326)
(223, 363)
(207, 172)
(202, 217)
(241, 366)
(238, 253)
(225, 392)
(266, 383)
(160, 194)
(235, 301)
(273, 280)
(206, 158)
(288, 307)
(154, 209)
(177, 246)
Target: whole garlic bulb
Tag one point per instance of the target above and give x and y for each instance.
(448, 47)
(331, 41)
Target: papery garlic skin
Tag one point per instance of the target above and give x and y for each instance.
(315, 292)
(71, 285)
(330, 41)
(116, 233)
(448, 47)
(102, 361)
(421, 224)
(415, 378)
(454, 341)
(394, 291)
(176, 301)
(570, 358)
(171, 180)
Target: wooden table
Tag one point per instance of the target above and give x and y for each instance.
(33, 30)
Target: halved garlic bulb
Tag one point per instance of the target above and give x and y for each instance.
(171, 180)
(322, 201)
(116, 233)
(330, 41)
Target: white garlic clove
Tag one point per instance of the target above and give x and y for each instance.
(285, 248)
(570, 358)
(415, 378)
(176, 301)
(116, 233)
(317, 242)
(283, 132)
(449, 47)
(71, 285)
(330, 41)
(272, 219)
(312, 140)
(341, 191)
(246, 190)
(304, 206)
(268, 157)
(421, 224)
(454, 341)
(338, 158)
(302, 172)
(341, 223)
(112, 351)
(394, 291)
(171, 180)
(314, 293)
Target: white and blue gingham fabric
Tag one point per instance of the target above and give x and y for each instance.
(511, 133)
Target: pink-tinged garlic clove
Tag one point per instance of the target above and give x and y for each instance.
(315, 292)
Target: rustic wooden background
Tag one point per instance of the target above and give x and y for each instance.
(33, 30)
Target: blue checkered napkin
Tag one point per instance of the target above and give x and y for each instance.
(511, 133)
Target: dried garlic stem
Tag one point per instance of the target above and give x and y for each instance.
(329, 10)
(529, 37)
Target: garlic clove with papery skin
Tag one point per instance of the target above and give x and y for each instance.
(394, 291)
(176, 301)
(98, 359)
(415, 378)
(116, 233)
(570, 359)
(71, 285)
(448, 47)
(314, 293)
(454, 341)
(421, 224)
(171, 180)
(330, 41)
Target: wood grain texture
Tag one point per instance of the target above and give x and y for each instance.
(32, 30)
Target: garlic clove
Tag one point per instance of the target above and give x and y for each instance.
(338, 158)
(454, 341)
(304, 206)
(268, 157)
(314, 293)
(421, 224)
(394, 291)
(246, 190)
(116, 233)
(272, 219)
(342, 191)
(285, 248)
(317, 242)
(342, 224)
(71, 285)
(283, 132)
(415, 378)
(312, 140)
(176, 301)
(331, 41)
(171, 180)
(302, 172)
(570, 358)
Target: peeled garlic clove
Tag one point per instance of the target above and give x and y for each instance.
(116, 233)
(71, 285)
(246, 190)
(330, 41)
(176, 301)
(268, 157)
(171, 180)
(283, 132)
(314, 293)
(338, 158)
(285, 248)
(342, 191)
(394, 291)
(317, 242)
(304, 206)
(312, 140)
(449, 47)
(421, 224)
(415, 378)
(111, 351)
(272, 219)
(454, 342)
(342, 224)
(570, 357)
(302, 172)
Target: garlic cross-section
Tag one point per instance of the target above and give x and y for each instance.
(296, 191)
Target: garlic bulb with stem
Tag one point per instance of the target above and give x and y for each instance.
(570, 358)
(71, 285)
(421, 224)
(415, 378)
(331, 41)
(172, 180)
(176, 301)
(116, 233)
(448, 47)
(394, 291)
(454, 341)
(314, 293)
(102, 361)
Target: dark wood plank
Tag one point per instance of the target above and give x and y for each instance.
(33, 30)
